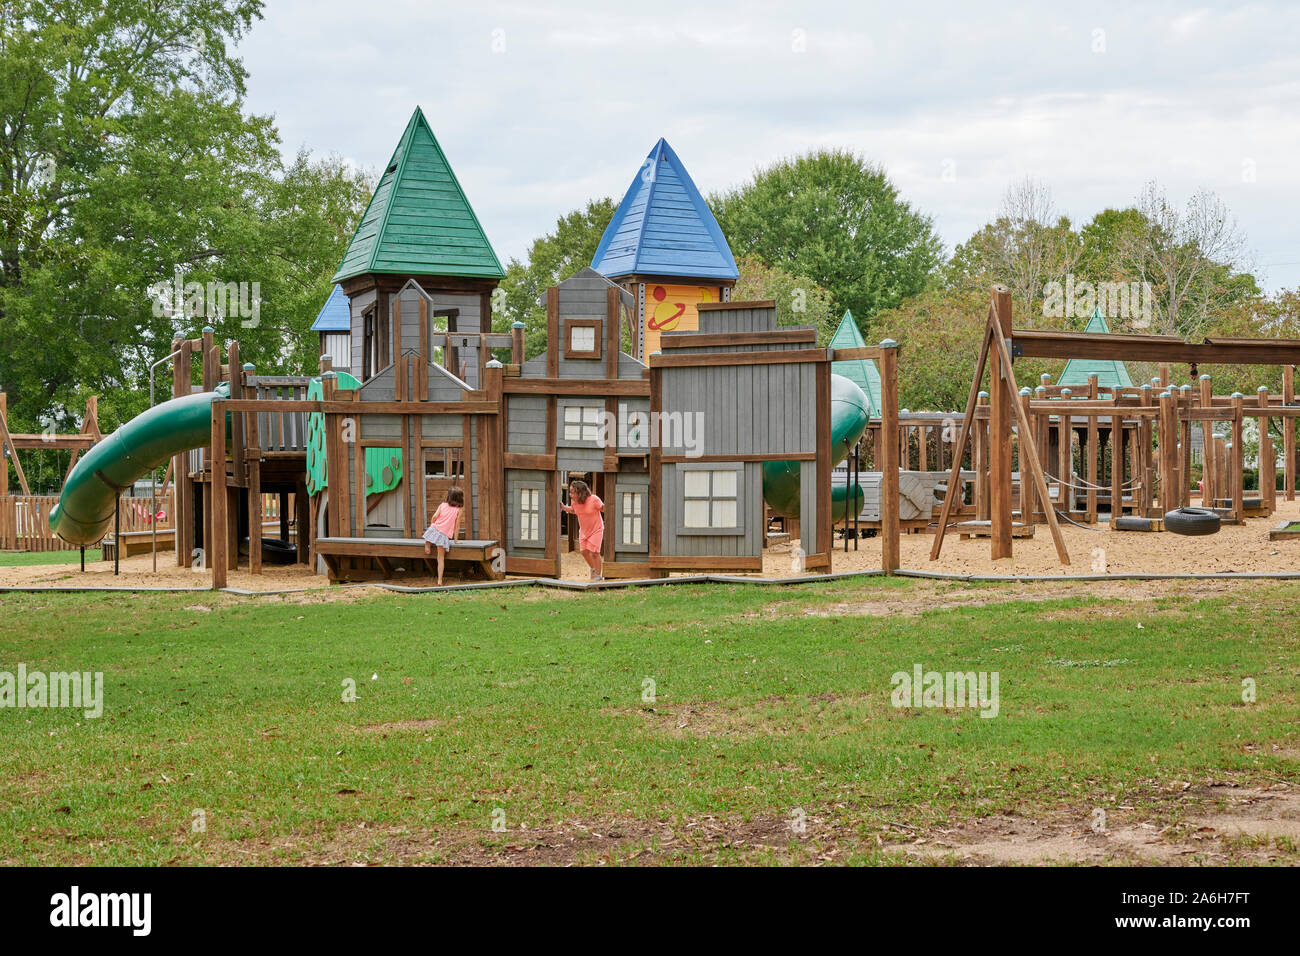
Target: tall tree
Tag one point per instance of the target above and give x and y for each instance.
(837, 219)
(129, 162)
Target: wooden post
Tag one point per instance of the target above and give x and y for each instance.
(1064, 455)
(1168, 438)
(1267, 457)
(1093, 439)
(1025, 448)
(217, 503)
(517, 343)
(1000, 433)
(1288, 431)
(302, 519)
(1208, 477)
(1185, 438)
(1116, 464)
(4, 462)
(980, 461)
(1238, 458)
(889, 527)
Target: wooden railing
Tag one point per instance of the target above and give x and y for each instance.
(25, 521)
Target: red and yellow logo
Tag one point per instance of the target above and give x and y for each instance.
(671, 308)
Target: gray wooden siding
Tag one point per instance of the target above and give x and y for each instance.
(526, 424)
(627, 409)
(580, 459)
(750, 513)
(716, 321)
(745, 409)
(359, 304)
(338, 346)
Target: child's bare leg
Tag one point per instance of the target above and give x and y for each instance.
(593, 560)
(428, 548)
(442, 558)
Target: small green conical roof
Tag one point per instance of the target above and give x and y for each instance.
(861, 372)
(1111, 373)
(419, 221)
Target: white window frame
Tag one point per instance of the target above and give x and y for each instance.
(722, 499)
(631, 506)
(581, 423)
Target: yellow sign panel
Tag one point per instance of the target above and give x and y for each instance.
(671, 308)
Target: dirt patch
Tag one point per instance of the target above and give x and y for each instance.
(1212, 825)
(922, 596)
(406, 726)
(771, 716)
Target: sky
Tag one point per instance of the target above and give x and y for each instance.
(541, 106)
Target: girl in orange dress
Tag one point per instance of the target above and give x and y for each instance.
(591, 524)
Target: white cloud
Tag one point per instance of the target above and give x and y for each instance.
(581, 91)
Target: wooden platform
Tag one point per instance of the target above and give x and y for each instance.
(1285, 531)
(383, 550)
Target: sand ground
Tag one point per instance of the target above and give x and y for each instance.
(1236, 548)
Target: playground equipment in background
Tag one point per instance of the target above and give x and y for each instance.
(1152, 424)
(849, 417)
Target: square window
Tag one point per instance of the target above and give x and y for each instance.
(582, 338)
(710, 499)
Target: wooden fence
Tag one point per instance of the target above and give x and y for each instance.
(25, 519)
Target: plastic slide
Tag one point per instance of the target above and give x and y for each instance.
(85, 509)
(849, 417)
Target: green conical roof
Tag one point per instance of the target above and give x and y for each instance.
(861, 372)
(419, 221)
(1111, 373)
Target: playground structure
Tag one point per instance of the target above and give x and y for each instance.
(1150, 441)
(701, 422)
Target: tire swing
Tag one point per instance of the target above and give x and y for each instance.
(1192, 521)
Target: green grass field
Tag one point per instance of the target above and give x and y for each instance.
(770, 711)
(19, 559)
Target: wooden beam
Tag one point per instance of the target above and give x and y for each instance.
(890, 546)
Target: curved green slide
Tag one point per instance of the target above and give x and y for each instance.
(86, 506)
(849, 416)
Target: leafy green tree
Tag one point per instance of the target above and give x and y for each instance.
(837, 219)
(799, 300)
(129, 164)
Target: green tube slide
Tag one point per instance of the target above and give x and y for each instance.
(849, 416)
(85, 509)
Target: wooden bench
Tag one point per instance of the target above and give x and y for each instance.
(138, 542)
(141, 542)
(383, 550)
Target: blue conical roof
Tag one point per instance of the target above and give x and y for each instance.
(663, 227)
(335, 315)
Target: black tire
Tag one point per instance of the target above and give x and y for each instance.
(275, 551)
(1192, 521)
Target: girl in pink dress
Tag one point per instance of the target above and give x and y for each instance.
(442, 530)
(591, 524)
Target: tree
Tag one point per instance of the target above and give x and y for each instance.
(130, 164)
(799, 300)
(1191, 257)
(835, 218)
(551, 259)
(1029, 245)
